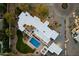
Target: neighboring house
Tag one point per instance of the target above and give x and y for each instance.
(75, 33)
(41, 32)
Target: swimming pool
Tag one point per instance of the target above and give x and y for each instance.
(35, 42)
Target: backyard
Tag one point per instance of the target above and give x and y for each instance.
(22, 47)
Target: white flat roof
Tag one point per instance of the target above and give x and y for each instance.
(26, 18)
(45, 39)
(54, 34)
(54, 48)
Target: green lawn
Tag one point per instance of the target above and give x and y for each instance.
(22, 47)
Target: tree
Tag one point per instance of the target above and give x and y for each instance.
(10, 18)
(24, 7)
(17, 11)
(8, 32)
(41, 11)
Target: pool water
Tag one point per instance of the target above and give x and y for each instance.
(35, 42)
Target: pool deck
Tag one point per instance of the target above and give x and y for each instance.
(37, 49)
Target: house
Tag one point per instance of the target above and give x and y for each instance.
(41, 33)
(42, 29)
